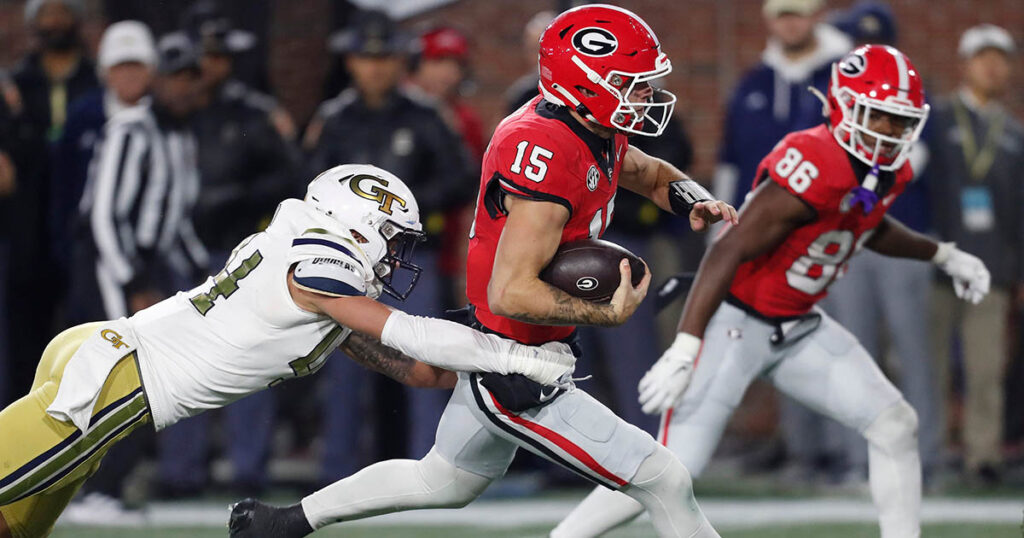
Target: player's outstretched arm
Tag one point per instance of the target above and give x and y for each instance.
(373, 354)
(768, 218)
(437, 342)
(528, 241)
(672, 190)
(971, 278)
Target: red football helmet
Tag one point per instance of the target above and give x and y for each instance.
(593, 56)
(876, 78)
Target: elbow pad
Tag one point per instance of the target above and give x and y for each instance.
(684, 194)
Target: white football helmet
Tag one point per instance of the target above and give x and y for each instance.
(381, 209)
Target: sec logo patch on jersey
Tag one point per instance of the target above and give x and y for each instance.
(593, 176)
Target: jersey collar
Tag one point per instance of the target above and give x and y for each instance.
(603, 149)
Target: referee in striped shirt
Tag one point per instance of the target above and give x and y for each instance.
(137, 245)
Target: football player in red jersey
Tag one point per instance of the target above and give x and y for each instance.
(818, 197)
(549, 176)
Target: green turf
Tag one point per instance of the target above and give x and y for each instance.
(633, 531)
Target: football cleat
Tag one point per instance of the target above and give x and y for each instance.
(253, 519)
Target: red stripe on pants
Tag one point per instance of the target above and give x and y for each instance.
(664, 426)
(568, 446)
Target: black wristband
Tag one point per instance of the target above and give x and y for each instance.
(684, 194)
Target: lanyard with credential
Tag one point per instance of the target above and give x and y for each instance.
(978, 162)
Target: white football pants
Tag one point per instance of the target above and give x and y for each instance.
(827, 371)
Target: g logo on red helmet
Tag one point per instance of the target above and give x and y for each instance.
(853, 65)
(594, 41)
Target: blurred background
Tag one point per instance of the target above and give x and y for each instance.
(254, 98)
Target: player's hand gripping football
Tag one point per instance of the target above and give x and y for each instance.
(704, 214)
(971, 279)
(663, 385)
(627, 298)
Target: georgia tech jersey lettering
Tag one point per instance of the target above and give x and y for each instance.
(790, 279)
(240, 331)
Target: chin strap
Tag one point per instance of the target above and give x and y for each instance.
(825, 109)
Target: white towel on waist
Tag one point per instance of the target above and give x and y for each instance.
(87, 370)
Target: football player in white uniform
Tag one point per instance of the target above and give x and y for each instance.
(286, 298)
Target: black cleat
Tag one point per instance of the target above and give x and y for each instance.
(253, 519)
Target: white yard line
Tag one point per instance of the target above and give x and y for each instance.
(723, 513)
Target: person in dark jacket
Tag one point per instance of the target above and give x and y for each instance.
(525, 87)
(377, 122)
(50, 77)
(977, 192)
(8, 183)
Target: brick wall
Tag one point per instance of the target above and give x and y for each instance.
(710, 43)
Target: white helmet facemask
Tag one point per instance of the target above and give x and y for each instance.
(857, 110)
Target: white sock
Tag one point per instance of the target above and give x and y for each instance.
(600, 512)
(393, 486)
(894, 469)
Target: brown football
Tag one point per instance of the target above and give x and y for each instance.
(589, 269)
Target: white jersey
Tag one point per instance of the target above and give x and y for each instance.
(240, 332)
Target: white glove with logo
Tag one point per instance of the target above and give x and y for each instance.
(664, 384)
(971, 279)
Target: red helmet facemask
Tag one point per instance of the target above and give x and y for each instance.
(594, 58)
(870, 80)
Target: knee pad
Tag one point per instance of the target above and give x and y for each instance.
(662, 472)
(894, 429)
(450, 486)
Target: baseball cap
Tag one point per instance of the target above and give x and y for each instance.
(444, 42)
(370, 32)
(126, 41)
(32, 7)
(774, 8)
(984, 36)
(867, 21)
(176, 52)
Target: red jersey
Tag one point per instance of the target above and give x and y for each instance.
(540, 153)
(812, 166)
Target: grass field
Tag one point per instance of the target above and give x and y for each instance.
(633, 531)
(850, 517)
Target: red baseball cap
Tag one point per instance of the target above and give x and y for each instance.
(444, 42)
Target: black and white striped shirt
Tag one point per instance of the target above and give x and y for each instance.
(143, 184)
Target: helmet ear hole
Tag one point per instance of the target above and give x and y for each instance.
(586, 92)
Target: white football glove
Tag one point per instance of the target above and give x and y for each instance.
(663, 385)
(971, 279)
(544, 364)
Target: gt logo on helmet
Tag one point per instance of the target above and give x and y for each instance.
(853, 65)
(384, 197)
(594, 41)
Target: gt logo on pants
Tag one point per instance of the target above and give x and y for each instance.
(113, 338)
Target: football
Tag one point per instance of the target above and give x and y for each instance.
(589, 269)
